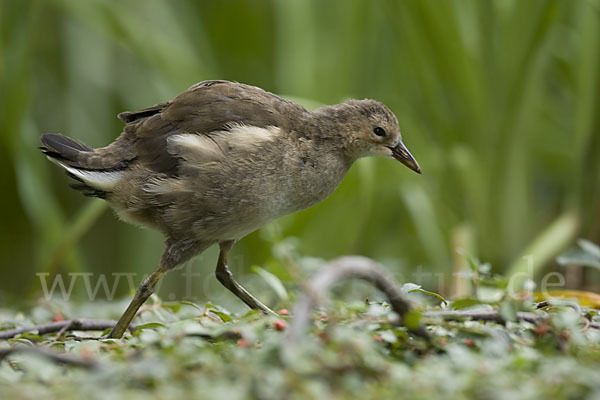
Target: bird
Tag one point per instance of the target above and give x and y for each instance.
(219, 161)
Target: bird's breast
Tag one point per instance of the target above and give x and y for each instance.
(310, 179)
(227, 197)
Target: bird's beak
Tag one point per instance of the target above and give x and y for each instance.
(401, 153)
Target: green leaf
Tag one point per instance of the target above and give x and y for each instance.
(149, 325)
(587, 255)
(508, 311)
(224, 317)
(196, 306)
(428, 293)
(388, 336)
(578, 257)
(272, 281)
(465, 303)
(589, 247)
(412, 319)
(472, 262)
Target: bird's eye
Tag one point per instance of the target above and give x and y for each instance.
(379, 131)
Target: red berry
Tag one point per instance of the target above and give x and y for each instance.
(279, 325)
(565, 335)
(284, 311)
(469, 342)
(525, 294)
(541, 330)
(243, 342)
(58, 318)
(87, 353)
(377, 338)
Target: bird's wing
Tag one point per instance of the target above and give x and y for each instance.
(205, 108)
(132, 116)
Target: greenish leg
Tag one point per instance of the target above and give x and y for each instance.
(144, 291)
(225, 276)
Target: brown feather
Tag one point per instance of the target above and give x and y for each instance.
(206, 107)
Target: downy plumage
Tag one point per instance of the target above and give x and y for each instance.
(221, 160)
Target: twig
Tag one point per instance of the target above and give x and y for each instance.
(60, 358)
(481, 315)
(62, 326)
(336, 271)
(63, 330)
(493, 316)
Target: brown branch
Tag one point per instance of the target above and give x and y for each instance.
(481, 315)
(62, 326)
(336, 271)
(490, 315)
(60, 358)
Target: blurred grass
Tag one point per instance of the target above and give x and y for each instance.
(499, 101)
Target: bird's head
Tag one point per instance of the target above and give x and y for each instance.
(371, 129)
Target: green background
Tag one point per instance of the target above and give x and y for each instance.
(498, 100)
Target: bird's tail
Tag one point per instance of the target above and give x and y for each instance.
(76, 158)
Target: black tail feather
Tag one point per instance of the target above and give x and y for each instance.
(62, 148)
(68, 151)
(89, 191)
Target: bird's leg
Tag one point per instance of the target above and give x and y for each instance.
(144, 291)
(176, 253)
(225, 276)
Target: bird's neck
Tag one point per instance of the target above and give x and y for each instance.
(330, 127)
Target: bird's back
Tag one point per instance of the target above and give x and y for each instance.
(205, 108)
